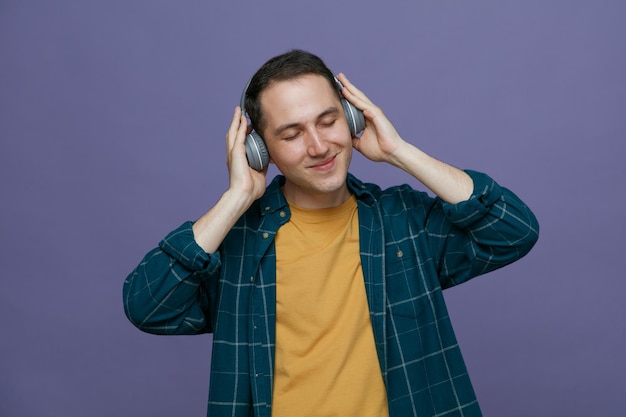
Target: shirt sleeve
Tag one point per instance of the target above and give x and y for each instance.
(491, 229)
(172, 288)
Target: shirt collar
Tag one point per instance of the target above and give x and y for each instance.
(274, 200)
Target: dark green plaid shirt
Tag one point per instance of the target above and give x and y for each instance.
(412, 246)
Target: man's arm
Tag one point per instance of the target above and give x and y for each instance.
(493, 227)
(246, 185)
(380, 142)
(169, 292)
(449, 183)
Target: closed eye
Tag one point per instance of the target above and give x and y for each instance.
(326, 118)
(329, 123)
(291, 137)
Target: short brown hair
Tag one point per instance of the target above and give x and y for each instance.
(287, 66)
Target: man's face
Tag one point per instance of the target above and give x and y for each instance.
(308, 139)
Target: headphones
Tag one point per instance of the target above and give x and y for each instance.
(256, 151)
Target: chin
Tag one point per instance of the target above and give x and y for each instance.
(330, 185)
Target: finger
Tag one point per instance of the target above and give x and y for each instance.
(238, 128)
(347, 84)
(356, 143)
(352, 93)
(232, 129)
(344, 80)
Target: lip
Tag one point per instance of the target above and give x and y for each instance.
(325, 165)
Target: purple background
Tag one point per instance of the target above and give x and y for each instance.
(112, 123)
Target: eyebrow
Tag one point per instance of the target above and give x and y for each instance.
(282, 128)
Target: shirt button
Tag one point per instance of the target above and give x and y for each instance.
(399, 254)
(252, 279)
(282, 214)
(266, 235)
(267, 208)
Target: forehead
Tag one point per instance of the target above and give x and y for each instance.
(295, 100)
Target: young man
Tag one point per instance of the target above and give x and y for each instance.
(324, 294)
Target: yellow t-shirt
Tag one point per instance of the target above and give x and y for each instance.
(326, 362)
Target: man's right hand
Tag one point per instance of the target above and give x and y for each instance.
(246, 185)
(242, 178)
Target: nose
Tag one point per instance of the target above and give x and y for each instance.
(316, 144)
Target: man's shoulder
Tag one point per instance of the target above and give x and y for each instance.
(379, 195)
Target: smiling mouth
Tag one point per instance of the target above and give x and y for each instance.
(327, 163)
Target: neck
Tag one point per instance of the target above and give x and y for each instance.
(316, 200)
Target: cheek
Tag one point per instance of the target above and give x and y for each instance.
(286, 152)
(342, 134)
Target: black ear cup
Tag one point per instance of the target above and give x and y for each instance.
(256, 152)
(354, 117)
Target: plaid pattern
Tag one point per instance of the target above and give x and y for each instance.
(412, 247)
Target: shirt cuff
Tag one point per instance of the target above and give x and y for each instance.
(486, 193)
(181, 245)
